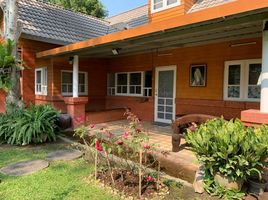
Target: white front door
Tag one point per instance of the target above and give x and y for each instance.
(165, 94)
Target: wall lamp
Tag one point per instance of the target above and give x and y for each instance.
(71, 60)
(116, 51)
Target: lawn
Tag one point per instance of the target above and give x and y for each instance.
(62, 180)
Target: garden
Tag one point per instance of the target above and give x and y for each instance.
(232, 157)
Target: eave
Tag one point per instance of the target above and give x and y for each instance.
(230, 14)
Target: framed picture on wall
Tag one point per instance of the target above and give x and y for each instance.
(198, 75)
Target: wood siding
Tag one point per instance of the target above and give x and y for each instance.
(207, 100)
(171, 12)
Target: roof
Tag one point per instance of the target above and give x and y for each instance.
(55, 24)
(204, 4)
(222, 13)
(131, 18)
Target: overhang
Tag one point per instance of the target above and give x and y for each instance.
(237, 20)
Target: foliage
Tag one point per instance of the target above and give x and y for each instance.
(231, 149)
(7, 61)
(89, 7)
(133, 145)
(35, 124)
(215, 189)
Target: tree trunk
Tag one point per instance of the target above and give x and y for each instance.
(12, 31)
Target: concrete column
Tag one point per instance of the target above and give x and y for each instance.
(75, 75)
(264, 82)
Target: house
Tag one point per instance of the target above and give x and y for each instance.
(164, 59)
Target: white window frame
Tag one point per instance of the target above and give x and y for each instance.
(165, 6)
(70, 93)
(128, 84)
(44, 79)
(244, 76)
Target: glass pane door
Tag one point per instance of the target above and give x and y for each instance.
(165, 97)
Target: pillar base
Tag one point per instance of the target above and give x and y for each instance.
(254, 117)
(76, 108)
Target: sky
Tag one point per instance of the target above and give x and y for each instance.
(117, 6)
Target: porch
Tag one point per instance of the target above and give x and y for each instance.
(149, 70)
(182, 164)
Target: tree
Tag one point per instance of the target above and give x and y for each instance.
(89, 7)
(12, 32)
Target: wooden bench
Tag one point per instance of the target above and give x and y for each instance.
(181, 124)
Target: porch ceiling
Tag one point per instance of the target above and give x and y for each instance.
(235, 27)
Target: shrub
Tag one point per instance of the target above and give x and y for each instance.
(35, 124)
(231, 149)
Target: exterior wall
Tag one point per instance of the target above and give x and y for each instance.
(29, 50)
(205, 100)
(171, 12)
(96, 69)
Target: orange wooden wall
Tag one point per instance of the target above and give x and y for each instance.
(207, 100)
(96, 69)
(171, 12)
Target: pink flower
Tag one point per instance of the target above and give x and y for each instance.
(150, 179)
(98, 146)
(92, 125)
(125, 136)
(119, 142)
(146, 146)
(110, 134)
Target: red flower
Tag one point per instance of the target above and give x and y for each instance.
(119, 142)
(98, 146)
(146, 146)
(150, 179)
(80, 119)
(92, 125)
(125, 136)
(110, 134)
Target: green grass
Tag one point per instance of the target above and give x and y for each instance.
(62, 180)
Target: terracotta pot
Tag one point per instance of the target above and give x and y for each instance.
(265, 177)
(256, 187)
(227, 183)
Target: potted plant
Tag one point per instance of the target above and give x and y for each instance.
(258, 180)
(229, 151)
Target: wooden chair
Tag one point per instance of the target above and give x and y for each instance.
(181, 124)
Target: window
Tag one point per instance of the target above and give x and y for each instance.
(130, 84)
(159, 5)
(41, 81)
(241, 80)
(111, 84)
(147, 89)
(67, 83)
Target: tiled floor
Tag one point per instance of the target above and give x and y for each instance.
(160, 135)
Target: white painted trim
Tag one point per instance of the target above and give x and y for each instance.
(75, 76)
(44, 81)
(165, 6)
(80, 93)
(264, 81)
(157, 70)
(243, 79)
(128, 84)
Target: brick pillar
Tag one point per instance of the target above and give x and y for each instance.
(254, 117)
(76, 107)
